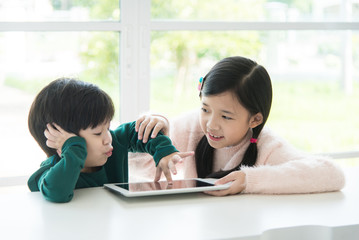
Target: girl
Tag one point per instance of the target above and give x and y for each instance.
(230, 140)
(70, 120)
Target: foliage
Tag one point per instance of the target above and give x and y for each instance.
(100, 57)
(206, 9)
(187, 49)
(100, 9)
(305, 6)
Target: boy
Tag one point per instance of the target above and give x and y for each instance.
(70, 120)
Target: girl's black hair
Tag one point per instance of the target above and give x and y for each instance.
(71, 104)
(251, 84)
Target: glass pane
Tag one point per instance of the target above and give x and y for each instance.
(313, 106)
(256, 10)
(29, 61)
(59, 10)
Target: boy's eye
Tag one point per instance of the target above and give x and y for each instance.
(98, 134)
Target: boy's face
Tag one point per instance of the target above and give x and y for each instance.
(99, 145)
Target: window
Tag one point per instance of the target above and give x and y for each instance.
(308, 79)
(39, 42)
(151, 54)
(308, 47)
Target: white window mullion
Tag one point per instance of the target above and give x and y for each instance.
(134, 59)
(59, 26)
(158, 25)
(347, 55)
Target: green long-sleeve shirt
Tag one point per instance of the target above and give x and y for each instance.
(59, 176)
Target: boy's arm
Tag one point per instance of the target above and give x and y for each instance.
(58, 182)
(164, 153)
(158, 147)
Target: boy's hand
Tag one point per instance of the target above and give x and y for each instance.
(167, 165)
(146, 123)
(56, 137)
(238, 179)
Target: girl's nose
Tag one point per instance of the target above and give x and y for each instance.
(212, 124)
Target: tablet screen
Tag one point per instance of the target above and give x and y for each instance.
(163, 185)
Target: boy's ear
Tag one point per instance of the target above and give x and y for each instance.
(256, 120)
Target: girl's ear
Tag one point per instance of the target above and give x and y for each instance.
(255, 120)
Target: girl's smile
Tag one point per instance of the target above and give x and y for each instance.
(214, 137)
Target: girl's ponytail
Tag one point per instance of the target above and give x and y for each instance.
(204, 158)
(250, 156)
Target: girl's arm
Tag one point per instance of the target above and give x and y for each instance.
(292, 177)
(309, 174)
(282, 169)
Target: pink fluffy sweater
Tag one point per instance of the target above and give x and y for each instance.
(280, 168)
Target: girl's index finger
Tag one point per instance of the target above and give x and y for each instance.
(147, 130)
(156, 130)
(226, 179)
(142, 128)
(138, 122)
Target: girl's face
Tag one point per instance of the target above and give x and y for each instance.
(224, 121)
(98, 142)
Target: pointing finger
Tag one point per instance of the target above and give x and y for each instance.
(158, 174)
(172, 167)
(167, 174)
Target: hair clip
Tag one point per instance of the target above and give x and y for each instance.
(200, 83)
(253, 140)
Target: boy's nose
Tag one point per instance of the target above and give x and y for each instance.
(107, 139)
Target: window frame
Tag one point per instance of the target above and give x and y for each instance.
(135, 27)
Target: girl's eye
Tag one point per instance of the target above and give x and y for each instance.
(204, 110)
(227, 118)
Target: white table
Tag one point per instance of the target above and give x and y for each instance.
(97, 213)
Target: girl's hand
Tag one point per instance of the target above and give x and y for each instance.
(238, 179)
(56, 137)
(167, 165)
(146, 123)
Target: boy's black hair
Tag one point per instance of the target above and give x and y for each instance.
(251, 84)
(71, 104)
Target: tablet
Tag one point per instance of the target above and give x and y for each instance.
(139, 189)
